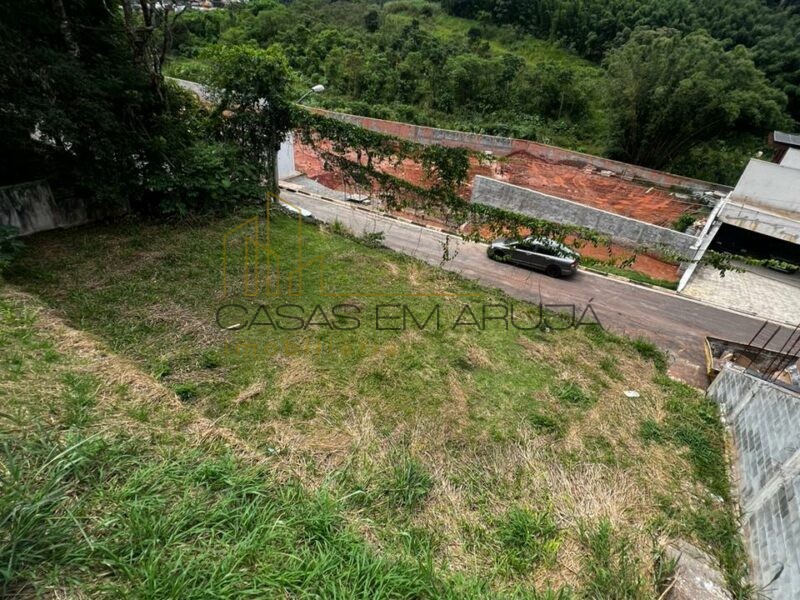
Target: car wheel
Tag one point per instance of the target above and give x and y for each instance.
(552, 271)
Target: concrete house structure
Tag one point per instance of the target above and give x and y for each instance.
(782, 142)
(759, 219)
(766, 201)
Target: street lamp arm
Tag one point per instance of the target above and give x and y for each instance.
(317, 89)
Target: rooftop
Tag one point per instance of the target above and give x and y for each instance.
(791, 159)
(769, 186)
(788, 139)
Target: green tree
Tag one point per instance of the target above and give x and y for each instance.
(81, 101)
(372, 21)
(670, 92)
(551, 91)
(253, 109)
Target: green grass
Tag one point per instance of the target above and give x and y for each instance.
(613, 572)
(649, 351)
(188, 525)
(505, 39)
(406, 485)
(527, 538)
(694, 430)
(572, 394)
(635, 276)
(609, 367)
(321, 461)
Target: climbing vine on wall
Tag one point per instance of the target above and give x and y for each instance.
(359, 155)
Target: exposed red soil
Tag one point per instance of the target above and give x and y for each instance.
(586, 186)
(520, 168)
(643, 263)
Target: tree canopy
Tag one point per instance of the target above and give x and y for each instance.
(252, 109)
(83, 103)
(92, 110)
(672, 91)
(771, 30)
(409, 61)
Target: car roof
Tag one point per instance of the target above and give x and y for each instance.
(543, 241)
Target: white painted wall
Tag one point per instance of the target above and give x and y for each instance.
(286, 166)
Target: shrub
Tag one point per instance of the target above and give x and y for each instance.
(373, 239)
(205, 177)
(683, 222)
(10, 245)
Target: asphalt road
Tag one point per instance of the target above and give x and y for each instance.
(676, 324)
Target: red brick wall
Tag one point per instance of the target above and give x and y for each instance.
(501, 146)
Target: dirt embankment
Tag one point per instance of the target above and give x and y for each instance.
(586, 186)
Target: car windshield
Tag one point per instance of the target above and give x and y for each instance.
(551, 248)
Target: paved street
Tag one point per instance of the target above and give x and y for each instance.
(676, 324)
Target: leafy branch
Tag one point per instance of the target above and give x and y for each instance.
(362, 155)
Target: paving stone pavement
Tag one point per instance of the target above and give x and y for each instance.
(775, 298)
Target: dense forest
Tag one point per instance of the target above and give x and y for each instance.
(687, 86)
(691, 87)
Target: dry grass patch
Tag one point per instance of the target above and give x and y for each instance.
(113, 370)
(392, 268)
(249, 393)
(123, 388)
(476, 356)
(182, 322)
(455, 411)
(294, 372)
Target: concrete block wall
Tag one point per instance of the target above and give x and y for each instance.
(764, 420)
(503, 146)
(31, 207)
(550, 208)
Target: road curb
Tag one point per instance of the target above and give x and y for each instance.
(586, 270)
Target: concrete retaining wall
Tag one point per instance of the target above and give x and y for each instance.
(503, 146)
(550, 208)
(764, 420)
(31, 207)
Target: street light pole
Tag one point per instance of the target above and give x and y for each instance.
(317, 89)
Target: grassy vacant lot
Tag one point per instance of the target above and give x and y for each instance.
(149, 453)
